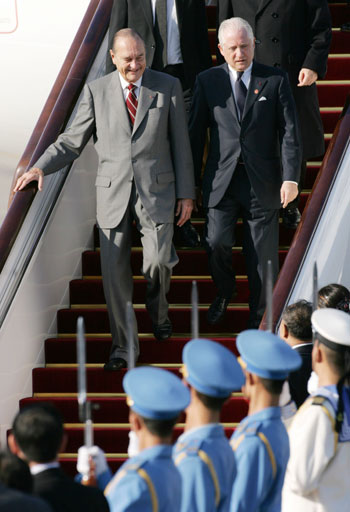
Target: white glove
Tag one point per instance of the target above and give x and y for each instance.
(133, 448)
(312, 383)
(98, 457)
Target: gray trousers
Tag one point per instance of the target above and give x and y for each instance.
(159, 257)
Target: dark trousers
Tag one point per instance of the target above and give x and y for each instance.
(260, 240)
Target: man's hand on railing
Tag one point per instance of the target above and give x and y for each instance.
(34, 174)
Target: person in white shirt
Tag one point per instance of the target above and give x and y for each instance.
(319, 466)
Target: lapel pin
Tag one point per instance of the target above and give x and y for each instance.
(256, 91)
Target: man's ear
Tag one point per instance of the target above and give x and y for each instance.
(318, 355)
(14, 448)
(135, 421)
(220, 48)
(284, 332)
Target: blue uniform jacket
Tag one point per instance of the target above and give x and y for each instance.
(207, 466)
(145, 483)
(261, 447)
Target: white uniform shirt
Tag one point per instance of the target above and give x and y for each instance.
(317, 477)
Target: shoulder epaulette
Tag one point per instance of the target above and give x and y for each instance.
(193, 448)
(137, 467)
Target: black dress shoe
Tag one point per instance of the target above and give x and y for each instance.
(290, 217)
(345, 27)
(188, 235)
(217, 310)
(163, 331)
(115, 364)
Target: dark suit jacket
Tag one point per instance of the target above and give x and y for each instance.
(267, 137)
(12, 500)
(65, 495)
(291, 34)
(137, 14)
(298, 380)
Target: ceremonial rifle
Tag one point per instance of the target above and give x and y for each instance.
(85, 406)
(194, 311)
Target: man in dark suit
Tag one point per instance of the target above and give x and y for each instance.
(295, 36)
(253, 162)
(138, 121)
(175, 34)
(37, 437)
(12, 500)
(295, 329)
(176, 38)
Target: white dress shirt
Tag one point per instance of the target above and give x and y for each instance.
(126, 84)
(174, 55)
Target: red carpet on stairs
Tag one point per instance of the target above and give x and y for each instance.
(57, 382)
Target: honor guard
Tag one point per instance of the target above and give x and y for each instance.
(260, 443)
(150, 482)
(202, 454)
(317, 477)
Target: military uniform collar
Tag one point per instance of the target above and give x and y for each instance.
(201, 432)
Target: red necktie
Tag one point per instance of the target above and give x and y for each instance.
(131, 103)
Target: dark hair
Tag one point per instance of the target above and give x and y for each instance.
(274, 387)
(334, 296)
(297, 318)
(160, 428)
(15, 472)
(38, 430)
(211, 402)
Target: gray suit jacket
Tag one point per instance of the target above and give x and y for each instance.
(155, 154)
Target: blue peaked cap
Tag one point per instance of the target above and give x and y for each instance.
(211, 368)
(267, 355)
(155, 393)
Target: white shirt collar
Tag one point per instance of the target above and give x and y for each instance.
(246, 75)
(301, 345)
(124, 83)
(39, 468)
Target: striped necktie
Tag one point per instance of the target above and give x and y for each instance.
(131, 103)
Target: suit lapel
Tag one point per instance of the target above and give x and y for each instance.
(147, 7)
(145, 100)
(262, 5)
(119, 105)
(256, 85)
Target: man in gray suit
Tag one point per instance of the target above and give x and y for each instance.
(252, 166)
(137, 119)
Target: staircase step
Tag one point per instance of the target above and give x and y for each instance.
(193, 263)
(90, 291)
(115, 410)
(340, 40)
(96, 320)
(64, 380)
(333, 93)
(63, 350)
(330, 117)
(338, 66)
